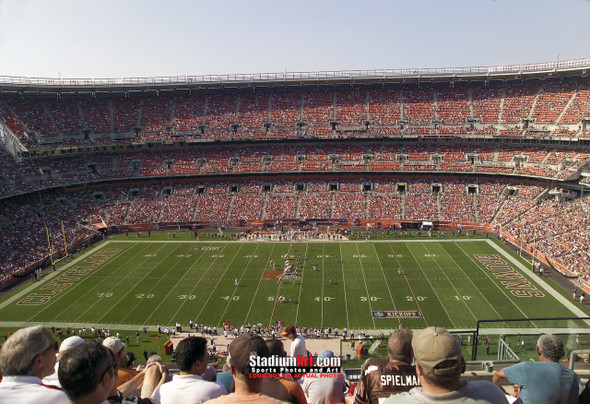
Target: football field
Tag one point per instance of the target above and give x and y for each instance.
(370, 285)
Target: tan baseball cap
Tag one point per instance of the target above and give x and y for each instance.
(437, 351)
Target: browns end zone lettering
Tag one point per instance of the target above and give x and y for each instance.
(509, 277)
(48, 291)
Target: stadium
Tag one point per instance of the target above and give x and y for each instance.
(405, 187)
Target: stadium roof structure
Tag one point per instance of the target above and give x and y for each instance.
(568, 68)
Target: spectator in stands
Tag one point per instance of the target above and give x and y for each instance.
(67, 344)
(189, 387)
(378, 375)
(297, 342)
(545, 381)
(115, 345)
(27, 356)
(276, 348)
(324, 390)
(88, 373)
(439, 365)
(247, 389)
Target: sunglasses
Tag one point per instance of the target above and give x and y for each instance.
(55, 347)
(112, 365)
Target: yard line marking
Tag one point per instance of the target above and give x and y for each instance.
(451, 282)
(432, 288)
(470, 277)
(303, 270)
(47, 278)
(236, 287)
(409, 286)
(117, 271)
(385, 278)
(173, 290)
(344, 288)
(218, 281)
(152, 288)
(79, 283)
(365, 280)
(258, 286)
(323, 281)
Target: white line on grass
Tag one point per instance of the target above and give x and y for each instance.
(301, 285)
(86, 294)
(344, 288)
(236, 288)
(431, 287)
(524, 270)
(469, 279)
(322, 294)
(130, 290)
(451, 282)
(386, 283)
(258, 286)
(493, 281)
(173, 289)
(49, 277)
(366, 286)
(217, 284)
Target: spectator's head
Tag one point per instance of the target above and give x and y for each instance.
(439, 358)
(290, 332)
(326, 354)
(153, 359)
(210, 374)
(88, 372)
(399, 346)
(129, 359)
(116, 346)
(29, 352)
(240, 351)
(276, 348)
(192, 356)
(68, 344)
(550, 347)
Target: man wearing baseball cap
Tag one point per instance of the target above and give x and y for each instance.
(115, 345)
(439, 365)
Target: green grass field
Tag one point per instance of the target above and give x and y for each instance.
(126, 283)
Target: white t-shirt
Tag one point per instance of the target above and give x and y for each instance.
(188, 389)
(298, 347)
(28, 389)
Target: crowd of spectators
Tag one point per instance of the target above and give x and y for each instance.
(500, 110)
(28, 175)
(560, 229)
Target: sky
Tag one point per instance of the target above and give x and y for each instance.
(146, 38)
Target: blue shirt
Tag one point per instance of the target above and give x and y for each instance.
(544, 382)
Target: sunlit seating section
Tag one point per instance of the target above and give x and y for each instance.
(552, 100)
(486, 102)
(518, 102)
(318, 110)
(126, 113)
(453, 105)
(418, 107)
(351, 107)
